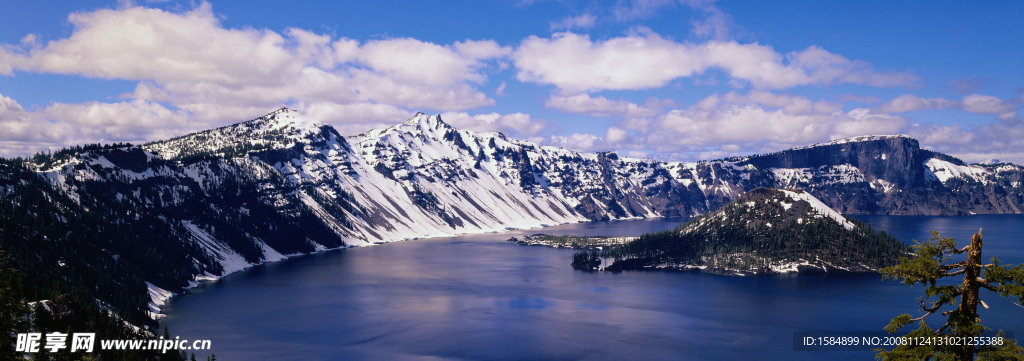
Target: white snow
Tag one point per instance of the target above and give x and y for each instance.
(157, 298)
(788, 267)
(819, 207)
(229, 259)
(862, 138)
(824, 175)
(944, 171)
(882, 184)
(286, 118)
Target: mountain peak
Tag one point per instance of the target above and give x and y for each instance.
(278, 129)
(286, 118)
(280, 110)
(772, 207)
(782, 206)
(424, 120)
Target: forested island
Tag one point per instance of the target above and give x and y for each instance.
(765, 231)
(571, 241)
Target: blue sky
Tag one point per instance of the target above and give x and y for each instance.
(670, 80)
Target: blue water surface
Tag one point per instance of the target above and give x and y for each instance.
(481, 298)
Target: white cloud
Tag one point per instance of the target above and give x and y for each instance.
(516, 124)
(787, 103)
(616, 135)
(643, 59)
(123, 121)
(615, 139)
(191, 65)
(862, 121)
(583, 21)
(1003, 140)
(16, 123)
(824, 68)
(578, 142)
(603, 107)
(987, 104)
(757, 122)
(427, 63)
(10, 58)
(715, 24)
(24, 132)
(626, 10)
(712, 22)
(910, 103)
(739, 124)
(574, 63)
(30, 40)
(149, 44)
(354, 118)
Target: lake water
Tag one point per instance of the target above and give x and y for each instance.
(481, 298)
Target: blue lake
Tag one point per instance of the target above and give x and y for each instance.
(480, 297)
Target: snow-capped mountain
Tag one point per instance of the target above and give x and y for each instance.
(220, 200)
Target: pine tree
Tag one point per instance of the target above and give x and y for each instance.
(930, 264)
(12, 309)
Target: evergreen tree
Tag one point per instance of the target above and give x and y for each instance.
(12, 309)
(930, 264)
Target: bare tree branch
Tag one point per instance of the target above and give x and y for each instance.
(988, 286)
(961, 271)
(922, 316)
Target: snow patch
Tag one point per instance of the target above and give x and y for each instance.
(882, 185)
(229, 259)
(157, 298)
(944, 171)
(857, 139)
(820, 207)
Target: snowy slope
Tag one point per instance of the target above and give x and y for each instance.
(819, 207)
(281, 185)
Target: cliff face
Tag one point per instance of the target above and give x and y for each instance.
(895, 159)
(893, 175)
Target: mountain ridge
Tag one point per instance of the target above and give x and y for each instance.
(235, 196)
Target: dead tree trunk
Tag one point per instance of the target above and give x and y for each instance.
(970, 295)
